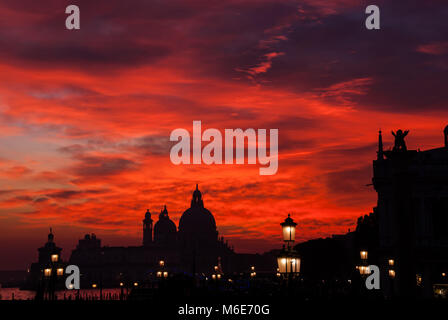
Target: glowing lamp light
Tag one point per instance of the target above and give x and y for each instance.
(47, 272)
(289, 229)
(135, 284)
(159, 274)
(392, 274)
(165, 274)
(70, 286)
(213, 276)
(60, 271)
(54, 258)
(391, 262)
(161, 263)
(363, 270)
(121, 284)
(94, 285)
(418, 279)
(288, 264)
(363, 255)
(443, 274)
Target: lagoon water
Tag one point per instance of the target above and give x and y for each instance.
(17, 294)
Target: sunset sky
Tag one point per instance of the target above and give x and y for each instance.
(85, 116)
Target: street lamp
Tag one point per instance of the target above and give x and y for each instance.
(364, 270)
(288, 260)
(54, 258)
(162, 273)
(392, 274)
(252, 272)
(289, 230)
(363, 254)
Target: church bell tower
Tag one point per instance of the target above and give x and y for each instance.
(147, 229)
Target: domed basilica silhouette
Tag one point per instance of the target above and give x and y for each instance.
(194, 248)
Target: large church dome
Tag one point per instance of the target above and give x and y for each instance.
(164, 229)
(197, 219)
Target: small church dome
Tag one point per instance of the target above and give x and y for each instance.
(164, 229)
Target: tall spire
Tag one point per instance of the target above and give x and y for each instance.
(380, 154)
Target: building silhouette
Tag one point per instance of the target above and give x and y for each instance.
(406, 235)
(44, 274)
(412, 187)
(195, 248)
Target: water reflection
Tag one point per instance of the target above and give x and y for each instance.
(94, 294)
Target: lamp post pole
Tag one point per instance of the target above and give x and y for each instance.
(288, 260)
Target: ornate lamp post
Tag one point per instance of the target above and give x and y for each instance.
(217, 271)
(288, 260)
(162, 273)
(364, 270)
(391, 263)
(253, 274)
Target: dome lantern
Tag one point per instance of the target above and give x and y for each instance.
(196, 201)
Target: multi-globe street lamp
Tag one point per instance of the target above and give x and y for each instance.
(253, 274)
(288, 260)
(162, 273)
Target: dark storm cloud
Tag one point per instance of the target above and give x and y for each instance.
(73, 149)
(151, 145)
(368, 150)
(349, 181)
(98, 166)
(81, 55)
(316, 46)
(24, 198)
(100, 221)
(317, 224)
(69, 194)
(340, 49)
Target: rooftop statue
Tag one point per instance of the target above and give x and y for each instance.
(400, 145)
